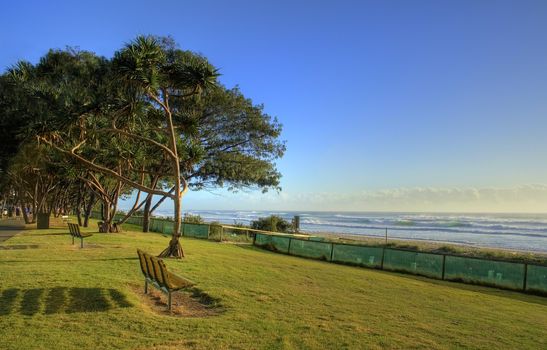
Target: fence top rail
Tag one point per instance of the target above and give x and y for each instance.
(270, 233)
(194, 223)
(307, 240)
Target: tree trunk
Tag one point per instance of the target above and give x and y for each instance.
(25, 214)
(78, 213)
(106, 226)
(88, 209)
(174, 249)
(146, 215)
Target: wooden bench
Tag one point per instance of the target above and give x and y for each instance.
(155, 272)
(75, 233)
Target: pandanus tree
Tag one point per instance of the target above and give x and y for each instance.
(153, 119)
(167, 77)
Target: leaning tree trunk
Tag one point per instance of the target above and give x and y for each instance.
(146, 215)
(88, 209)
(108, 217)
(175, 248)
(78, 213)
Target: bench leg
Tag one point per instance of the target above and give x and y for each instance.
(82, 243)
(72, 240)
(169, 300)
(145, 286)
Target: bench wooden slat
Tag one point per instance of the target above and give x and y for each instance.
(156, 273)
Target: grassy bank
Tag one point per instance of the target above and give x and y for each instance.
(55, 293)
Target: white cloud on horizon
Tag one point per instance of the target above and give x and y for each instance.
(524, 198)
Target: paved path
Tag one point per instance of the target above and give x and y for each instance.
(9, 228)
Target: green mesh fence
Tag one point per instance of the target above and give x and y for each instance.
(357, 255)
(135, 220)
(424, 264)
(536, 278)
(132, 220)
(280, 244)
(494, 273)
(263, 240)
(196, 230)
(154, 225)
(168, 227)
(311, 249)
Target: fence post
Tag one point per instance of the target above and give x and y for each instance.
(289, 249)
(525, 276)
(444, 264)
(331, 251)
(382, 262)
(208, 231)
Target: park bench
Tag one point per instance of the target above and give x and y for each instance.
(75, 233)
(155, 272)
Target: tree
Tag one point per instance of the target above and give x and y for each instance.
(153, 119)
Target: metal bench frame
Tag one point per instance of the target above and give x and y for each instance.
(75, 233)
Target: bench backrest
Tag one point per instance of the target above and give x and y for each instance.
(142, 261)
(155, 269)
(158, 272)
(74, 230)
(165, 274)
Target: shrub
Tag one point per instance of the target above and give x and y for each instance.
(272, 223)
(193, 219)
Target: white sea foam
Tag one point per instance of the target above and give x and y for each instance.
(513, 231)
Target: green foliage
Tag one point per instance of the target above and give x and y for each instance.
(193, 219)
(272, 223)
(238, 224)
(106, 122)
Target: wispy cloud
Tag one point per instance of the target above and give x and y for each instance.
(524, 198)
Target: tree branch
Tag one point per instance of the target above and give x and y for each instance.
(101, 169)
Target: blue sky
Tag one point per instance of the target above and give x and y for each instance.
(386, 105)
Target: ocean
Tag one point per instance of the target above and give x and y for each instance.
(525, 232)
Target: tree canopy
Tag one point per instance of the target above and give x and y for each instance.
(153, 119)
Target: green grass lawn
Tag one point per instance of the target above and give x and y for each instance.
(55, 295)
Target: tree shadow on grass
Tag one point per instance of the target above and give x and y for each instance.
(66, 260)
(19, 246)
(7, 301)
(57, 300)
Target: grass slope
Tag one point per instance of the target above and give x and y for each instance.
(55, 295)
